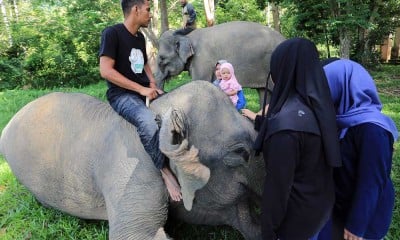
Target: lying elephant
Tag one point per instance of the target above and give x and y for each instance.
(75, 154)
(247, 45)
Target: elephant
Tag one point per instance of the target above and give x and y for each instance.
(75, 154)
(247, 45)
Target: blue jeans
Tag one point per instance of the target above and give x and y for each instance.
(132, 108)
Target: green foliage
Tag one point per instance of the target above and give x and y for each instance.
(61, 50)
(235, 10)
(367, 22)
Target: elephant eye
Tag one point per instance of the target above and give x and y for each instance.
(243, 153)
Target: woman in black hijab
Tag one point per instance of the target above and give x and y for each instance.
(299, 142)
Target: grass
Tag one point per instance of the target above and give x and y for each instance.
(22, 217)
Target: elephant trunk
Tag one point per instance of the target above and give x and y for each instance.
(160, 78)
(255, 175)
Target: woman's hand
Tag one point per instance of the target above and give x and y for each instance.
(249, 114)
(350, 236)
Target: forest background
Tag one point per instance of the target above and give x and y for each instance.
(52, 45)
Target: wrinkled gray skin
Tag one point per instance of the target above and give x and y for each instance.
(247, 45)
(75, 154)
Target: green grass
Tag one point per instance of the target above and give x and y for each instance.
(22, 217)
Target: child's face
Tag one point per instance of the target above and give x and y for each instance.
(225, 74)
(217, 71)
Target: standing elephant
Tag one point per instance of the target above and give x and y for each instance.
(75, 154)
(247, 45)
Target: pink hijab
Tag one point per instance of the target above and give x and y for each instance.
(233, 81)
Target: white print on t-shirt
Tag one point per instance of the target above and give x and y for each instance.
(137, 60)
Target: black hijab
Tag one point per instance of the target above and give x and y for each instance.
(296, 69)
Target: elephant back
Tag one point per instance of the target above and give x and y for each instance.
(63, 145)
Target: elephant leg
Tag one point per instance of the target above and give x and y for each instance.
(137, 210)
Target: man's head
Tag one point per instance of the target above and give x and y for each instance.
(183, 2)
(140, 9)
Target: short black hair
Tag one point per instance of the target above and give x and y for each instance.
(128, 4)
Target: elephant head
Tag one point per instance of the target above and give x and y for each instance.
(173, 55)
(209, 145)
(192, 174)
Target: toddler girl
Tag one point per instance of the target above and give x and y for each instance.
(228, 83)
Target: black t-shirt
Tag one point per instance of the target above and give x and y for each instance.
(129, 53)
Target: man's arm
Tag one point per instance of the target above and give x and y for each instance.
(108, 72)
(150, 75)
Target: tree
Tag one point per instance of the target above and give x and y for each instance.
(6, 22)
(164, 16)
(230, 10)
(209, 9)
(275, 16)
(355, 26)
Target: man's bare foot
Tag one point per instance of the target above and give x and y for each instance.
(172, 184)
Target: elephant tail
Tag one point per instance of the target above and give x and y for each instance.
(161, 235)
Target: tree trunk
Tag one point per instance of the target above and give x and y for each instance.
(209, 9)
(155, 19)
(164, 16)
(367, 48)
(328, 50)
(275, 16)
(396, 46)
(345, 43)
(16, 12)
(6, 22)
(151, 34)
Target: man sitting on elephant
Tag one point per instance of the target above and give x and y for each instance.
(123, 59)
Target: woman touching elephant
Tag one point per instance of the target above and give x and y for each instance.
(299, 144)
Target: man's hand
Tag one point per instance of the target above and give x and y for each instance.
(153, 85)
(349, 236)
(150, 93)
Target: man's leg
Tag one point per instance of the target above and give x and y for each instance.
(132, 108)
(183, 31)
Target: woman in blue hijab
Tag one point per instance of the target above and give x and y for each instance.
(364, 189)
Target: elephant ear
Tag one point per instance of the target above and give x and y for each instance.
(184, 161)
(184, 48)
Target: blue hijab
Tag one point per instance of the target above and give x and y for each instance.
(355, 97)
